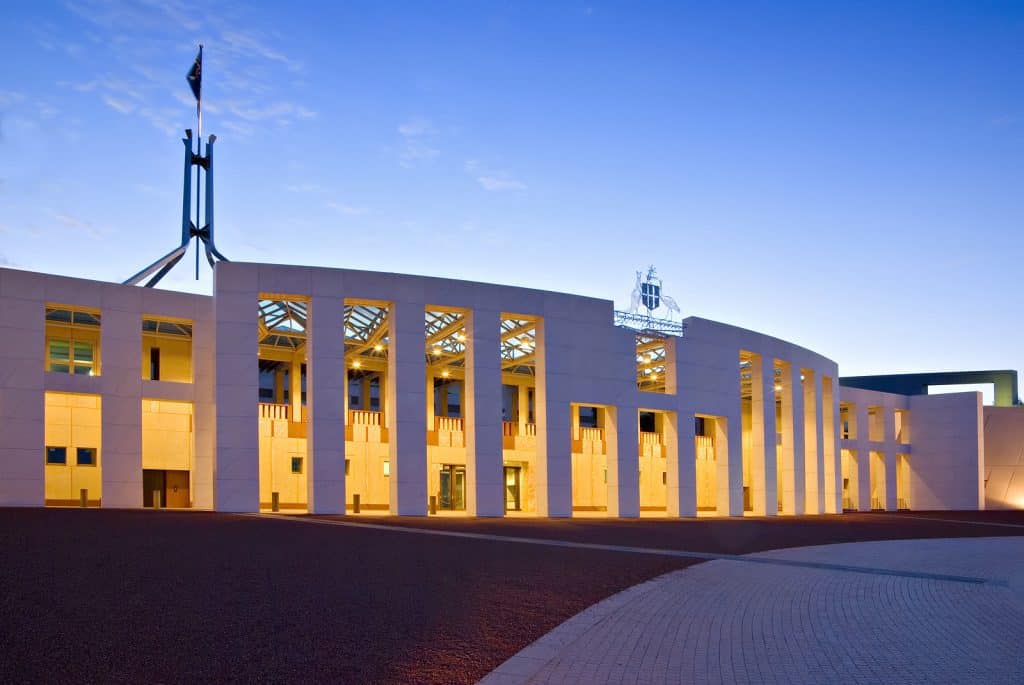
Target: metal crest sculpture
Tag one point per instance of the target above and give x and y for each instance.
(647, 294)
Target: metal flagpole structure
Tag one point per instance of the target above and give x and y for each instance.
(191, 229)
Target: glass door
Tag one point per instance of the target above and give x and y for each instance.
(452, 486)
(513, 475)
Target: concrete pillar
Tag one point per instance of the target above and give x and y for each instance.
(785, 428)
(622, 434)
(819, 444)
(554, 422)
(482, 401)
(832, 438)
(236, 467)
(812, 472)
(799, 479)
(826, 446)
(684, 499)
(295, 389)
(22, 405)
(762, 438)
(121, 408)
(407, 404)
(204, 412)
(279, 385)
(889, 435)
(326, 390)
(523, 400)
(863, 458)
(729, 481)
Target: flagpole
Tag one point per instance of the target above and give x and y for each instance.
(199, 151)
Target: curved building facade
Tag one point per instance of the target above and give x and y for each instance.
(301, 389)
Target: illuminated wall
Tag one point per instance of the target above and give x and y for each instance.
(74, 425)
(1004, 457)
(167, 435)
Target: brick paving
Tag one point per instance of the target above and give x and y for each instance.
(181, 597)
(727, 621)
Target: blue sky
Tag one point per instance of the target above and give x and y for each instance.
(846, 176)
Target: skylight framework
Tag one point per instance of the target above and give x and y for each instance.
(282, 323)
(166, 327)
(366, 336)
(58, 314)
(519, 345)
(651, 362)
(445, 340)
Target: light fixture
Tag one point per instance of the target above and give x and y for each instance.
(378, 347)
(444, 374)
(778, 387)
(461, 337)
(356, 364)
(654, 376)
(437, 351)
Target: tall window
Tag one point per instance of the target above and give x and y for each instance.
(72, 339)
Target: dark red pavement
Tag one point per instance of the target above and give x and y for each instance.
(140, 596)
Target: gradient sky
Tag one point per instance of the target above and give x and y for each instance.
(849, 177)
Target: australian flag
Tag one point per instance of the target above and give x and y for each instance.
(195, 75)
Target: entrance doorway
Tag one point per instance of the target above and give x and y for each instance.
(513, 488)
(452, 491)
(165, 488)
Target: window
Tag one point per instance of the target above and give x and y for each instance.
(60, 356)
(387, 467)
(154, 363)
(71, 341)
(86, 456)
(588, 417)
(296, 464)
(348, 463)
(56, 455)
(699, 426)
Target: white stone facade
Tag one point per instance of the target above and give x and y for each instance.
(718, 379)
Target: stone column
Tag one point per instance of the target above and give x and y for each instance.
(406, 390)
(798, 477)
(729, 429)
(236, 467)
(681, 471)
(121, 379)
(22, 403)
(811, 474)
(326, 389)
(204, 411)
(484, 472)
(295, 389)
(819, 441)
(622, 432)
(554, 419)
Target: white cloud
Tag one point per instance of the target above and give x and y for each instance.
(304, 188)
(246, 43)
(10, 97)
(416, 152)
(418, 134)
(416, 127)
(279, 111)
(347, 210)
(76, 224)
(492, 181)
(497, 183)
(121, 106)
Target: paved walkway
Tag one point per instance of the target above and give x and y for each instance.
(915, 611)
